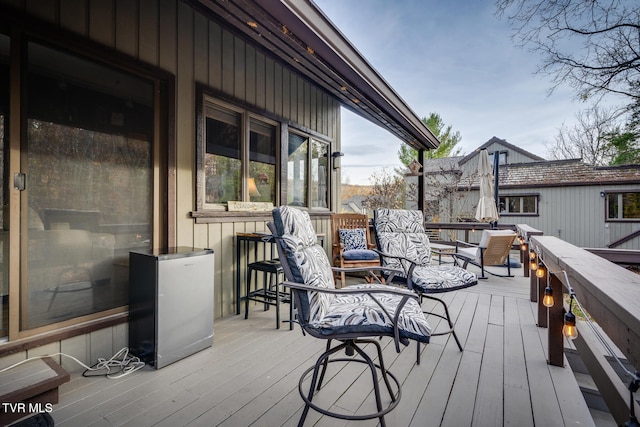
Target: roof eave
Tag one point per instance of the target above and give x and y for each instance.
(300, 35)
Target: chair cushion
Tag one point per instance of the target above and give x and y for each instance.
(399, 221)
(353, 238)
(470, 252)
(442, 278)
(360, 255)
(308, 260)
(401, 233)
(360, 314)
(414, 246)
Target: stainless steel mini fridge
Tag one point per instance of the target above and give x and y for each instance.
(170, 303)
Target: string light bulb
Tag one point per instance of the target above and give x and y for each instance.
(541, 271)
(547, 300)
(569, 329)
(533, 265)
(532, 255)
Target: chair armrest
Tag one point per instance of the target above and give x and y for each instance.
(400, 257)
(372, 268)
(347, 290)
(466, 244)
(391, 272)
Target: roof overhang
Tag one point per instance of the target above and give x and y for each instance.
(298, 34)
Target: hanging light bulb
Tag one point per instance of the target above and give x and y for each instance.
(523, 247)
(532, 255)
(541, 272)
(533, 265)
(569, 329)
(547, 301)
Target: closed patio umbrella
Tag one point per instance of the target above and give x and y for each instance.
(487, 211)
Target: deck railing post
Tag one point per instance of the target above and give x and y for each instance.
(533, 288)
(555, 322)
(524, 258)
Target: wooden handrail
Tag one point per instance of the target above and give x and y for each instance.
(608, 292)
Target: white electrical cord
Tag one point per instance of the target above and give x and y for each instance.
(122, 361)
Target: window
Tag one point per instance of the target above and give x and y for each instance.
(502, 157)
(519, 205)
(307, 172)
(237, 169)
(222, 158)
(623, 206)
(244, 159)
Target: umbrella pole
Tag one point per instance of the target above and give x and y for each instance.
(496, 162)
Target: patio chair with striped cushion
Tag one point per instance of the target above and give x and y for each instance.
(352, 316)
(404, 246)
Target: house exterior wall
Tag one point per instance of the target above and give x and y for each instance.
(471, 166)
(172, 36)
(576, 214)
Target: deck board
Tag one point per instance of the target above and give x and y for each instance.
(250, 375)
(517, 399)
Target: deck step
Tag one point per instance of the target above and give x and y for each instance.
(31, 387)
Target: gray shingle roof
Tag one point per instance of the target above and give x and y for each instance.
(562, 173)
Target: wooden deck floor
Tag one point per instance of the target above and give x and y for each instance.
(250, 376)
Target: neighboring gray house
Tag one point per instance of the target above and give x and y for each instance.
(584, 205)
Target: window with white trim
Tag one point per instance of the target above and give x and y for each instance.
(519, 205)
(624, 206)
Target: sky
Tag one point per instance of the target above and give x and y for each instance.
(455, 58)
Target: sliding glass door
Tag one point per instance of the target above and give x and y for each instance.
(88, 195)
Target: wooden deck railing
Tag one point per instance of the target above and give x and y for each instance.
(611, 296)
(608, 292)
(466, 228)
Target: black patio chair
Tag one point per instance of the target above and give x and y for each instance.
(404, 246)
(351, 316)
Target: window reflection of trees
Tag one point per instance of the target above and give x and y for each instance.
(86, 170)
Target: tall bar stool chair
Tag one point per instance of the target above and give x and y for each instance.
(270, 294)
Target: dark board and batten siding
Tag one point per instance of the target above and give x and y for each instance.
(174, 37)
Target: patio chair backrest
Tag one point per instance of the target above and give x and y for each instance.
(401, 233)
(347, 221)
(307, 262)
(497, 245)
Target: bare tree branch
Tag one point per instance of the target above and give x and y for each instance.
(591, 45)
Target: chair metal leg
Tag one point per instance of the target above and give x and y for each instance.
(446, 317)
(323, 360)
(246, 296)
(324, 366)
(264, 289)
(291, 319)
